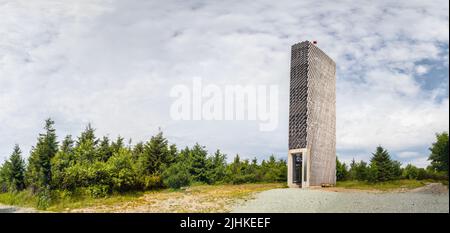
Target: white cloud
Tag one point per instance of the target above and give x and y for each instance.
(422, 69)
(420, 162)
(408, 154)
(113, 63)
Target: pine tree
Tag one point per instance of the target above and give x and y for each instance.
(4, 176)
(137, 151)
(172, 155)
(362, 171)
(216, 167)
(198, 163)
(352, 170)
(17, 170)
(105, 151)
(154, 155)
(85, 149)
(117, 145)
(341, 170)
(382, 165)
(39, 168)
(63, 159)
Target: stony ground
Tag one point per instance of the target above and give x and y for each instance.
(14, 209)
(431, 198)
(272, 198)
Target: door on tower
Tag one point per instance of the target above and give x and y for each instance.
(297, 168)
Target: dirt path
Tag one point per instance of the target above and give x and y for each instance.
(273, 198)
(199, 199)
(14, 209)
(430, 198)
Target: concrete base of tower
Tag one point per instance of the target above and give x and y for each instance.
(298, 168)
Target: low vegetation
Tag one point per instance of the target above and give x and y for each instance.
(99, 168)
(383, 186)
(89, 170)
(383, 171)
(196, 198)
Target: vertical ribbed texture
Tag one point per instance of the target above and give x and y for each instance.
(312, 110)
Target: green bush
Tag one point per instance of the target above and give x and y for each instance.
(122, 174)
(410, 172)
(341, 171)
(177, 176)
(98, 191)
(44, 198)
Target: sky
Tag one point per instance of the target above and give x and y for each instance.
(112, 63)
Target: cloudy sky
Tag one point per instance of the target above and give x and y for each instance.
(112, 63)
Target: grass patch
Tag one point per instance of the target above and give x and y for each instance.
(23, 199)
(196, 198)
(383, 186)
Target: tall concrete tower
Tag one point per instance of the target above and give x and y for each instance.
(312, 117)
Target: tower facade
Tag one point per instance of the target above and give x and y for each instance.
(312, 117)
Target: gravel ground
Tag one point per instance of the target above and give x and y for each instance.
(432, 198)
(13, 209)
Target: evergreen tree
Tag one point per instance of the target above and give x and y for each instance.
(85, 149)
(172, 155)
(439, 153)
(17, 170)
(352, 170)
(39, 165)
(216, 167)
(382, 166)
(177, 175)
(198, 156)
(105, 150)
(154, 155)
(341, 170)
(63, 159)
(117, 145)
(362, 171)
(4, 176)
(137, 151)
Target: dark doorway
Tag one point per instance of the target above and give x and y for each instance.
(297, 168)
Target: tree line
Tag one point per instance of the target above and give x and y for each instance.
(383, 168)
(100, 166)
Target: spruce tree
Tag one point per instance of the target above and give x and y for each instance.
(216, 167)
(4, 176)
(198, 163)
(362, 171)
(382, 165)
(341, 170)
(118, 144)
(154, 155)
(17, 170)
(105, 150)
(63, 159)
(137, 151)
(85, 149)
(39, 168)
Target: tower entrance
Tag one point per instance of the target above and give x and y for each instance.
(297, 168)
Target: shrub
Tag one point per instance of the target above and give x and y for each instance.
(98, 191)
(44, 198)
(410, 172)
(422, 174)
(177, 176)
(341, 170)
(121, 171)
(151, 182)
